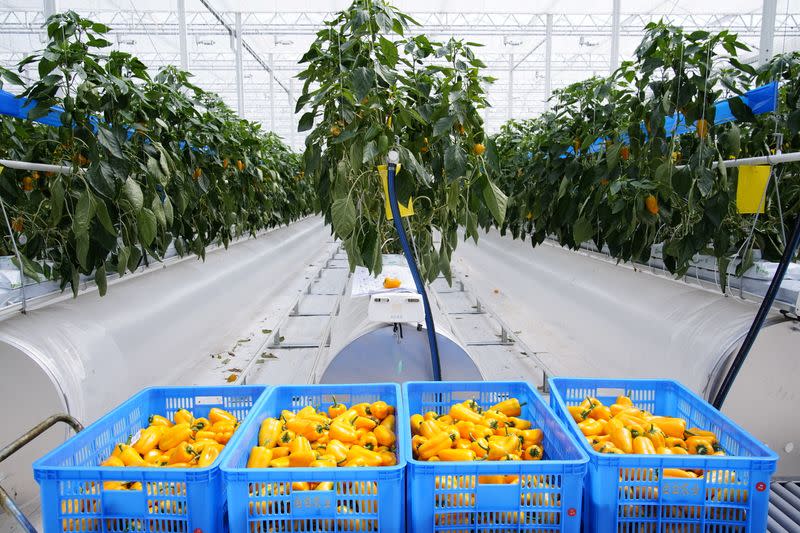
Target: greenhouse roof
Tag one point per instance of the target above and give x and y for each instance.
(276, 33)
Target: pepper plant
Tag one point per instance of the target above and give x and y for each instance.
(643, 185)
(368, 89)
(156, 161)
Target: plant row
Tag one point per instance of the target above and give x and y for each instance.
(155, 162)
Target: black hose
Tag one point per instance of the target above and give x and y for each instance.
(412, 265)
(755, 327)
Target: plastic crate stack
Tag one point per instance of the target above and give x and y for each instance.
(572, 488)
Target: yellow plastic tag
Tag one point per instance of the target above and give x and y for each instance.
(405, 210)
(750, 188)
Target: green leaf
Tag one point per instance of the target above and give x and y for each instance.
(168, 212)
(110, 142)
(662, 174)
(104, 218)
(443, 125)
(389, 51)
(363, 80)
(134, 256)
(495, 200)
(343, 217)
(612, 156)
(740, 110)
(100, 280)
(370, 152)
(582, 231)
(306, 122)
(132, 192)
(122, 259)
(84, 212)
(455, 162)
(793, 122)
(146, 224)
(82, 248)
(56, 202)
(158, 210)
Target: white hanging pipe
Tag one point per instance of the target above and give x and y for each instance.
(766, 42)
(182, 35)
(239, 67)
(775, 159)
(510, 90)
(38, 167)
(548, 59)
(615, 29)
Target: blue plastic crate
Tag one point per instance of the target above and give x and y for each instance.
(363, 499)
(448, 496)
(171, 500)
(628, 493)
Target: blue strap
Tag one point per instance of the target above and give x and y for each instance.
(760, 100)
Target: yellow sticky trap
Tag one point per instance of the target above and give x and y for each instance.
(405, 210)
(750, 188)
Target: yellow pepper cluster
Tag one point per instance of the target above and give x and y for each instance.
(362, 435)
(469, 433)
(183, 442)
(623, 428)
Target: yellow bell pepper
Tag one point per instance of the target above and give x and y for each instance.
(269, 432)
(300, 452)
(460, 412)
(306, 427)
(678, 472)
(697, 432)
(519, 423)
(208, 456)
(183, 417)
(699, 446)
(643, 445)
(480, 447)
(380, 409)
(510, 407)
(131, 457)
(260, 457)
(278, 452)
(369, 457)
(336, 408)
(327, 462)
(158, 420)
(280, 462)
(672, 427)
(622, 439)
(533, 452)
(343, 431)
(500, 447)
(388, 458)
(429, 428)
(183, 453)
(175, 435)
(385, 436)
(113, 461)
(577, 413)
(416, 422)
(148, 439)
(389, 421)
(337, 449)
(200, 424)
(433, 445)
(457, 455)
(590, 427)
